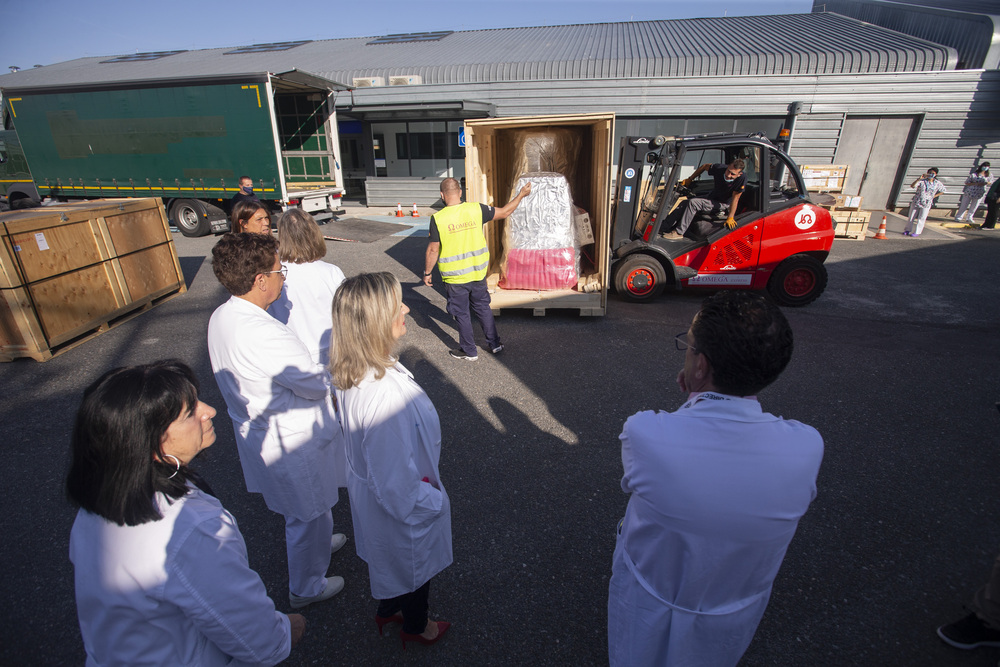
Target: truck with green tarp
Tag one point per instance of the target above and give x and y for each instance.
(185, 140)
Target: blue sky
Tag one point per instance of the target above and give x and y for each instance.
(42, 32)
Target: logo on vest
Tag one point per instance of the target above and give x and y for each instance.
(462, 226)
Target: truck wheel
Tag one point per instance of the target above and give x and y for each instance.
(797, 281)
(189, 217)
(640, 278)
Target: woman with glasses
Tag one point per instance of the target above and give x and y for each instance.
(161, 567)
(287, 432)
(310, 283)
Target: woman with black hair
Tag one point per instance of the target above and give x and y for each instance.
(161, 567)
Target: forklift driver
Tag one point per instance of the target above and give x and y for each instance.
(730, 181)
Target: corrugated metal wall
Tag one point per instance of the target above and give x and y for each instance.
(971, 34)
(959, 108)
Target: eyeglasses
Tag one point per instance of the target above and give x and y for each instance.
(682, 343)
(283, 271)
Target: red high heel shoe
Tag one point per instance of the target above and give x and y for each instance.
(382, 620)
(420, 639)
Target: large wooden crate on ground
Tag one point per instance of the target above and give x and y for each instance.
(851, 224)
(824, 177)
(71, 271)
(489, 164)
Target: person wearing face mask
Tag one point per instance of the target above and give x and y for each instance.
(245, 193)
(974, 192)
(730, 182)
(928, 189)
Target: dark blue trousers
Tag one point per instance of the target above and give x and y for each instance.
(474, 297)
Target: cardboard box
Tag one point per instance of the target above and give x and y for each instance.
(490, 159)
(847, 203)
(72, 271)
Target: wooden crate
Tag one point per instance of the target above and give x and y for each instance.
(69, 272)
(488, 163)
(824, 177)
(851, 224)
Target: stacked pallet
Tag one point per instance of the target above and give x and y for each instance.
(849, 221)
(70, 272)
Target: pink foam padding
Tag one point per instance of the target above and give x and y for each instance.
(540, 269)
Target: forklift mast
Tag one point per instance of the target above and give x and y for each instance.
(639, 201)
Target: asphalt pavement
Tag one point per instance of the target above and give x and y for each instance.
(896, 365)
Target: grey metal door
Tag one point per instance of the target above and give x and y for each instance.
(873, 148)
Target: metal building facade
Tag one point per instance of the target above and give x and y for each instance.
(854, 82)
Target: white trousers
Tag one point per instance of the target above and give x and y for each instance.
(969, 204)
(918, 216)
(308, 547)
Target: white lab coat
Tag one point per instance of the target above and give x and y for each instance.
(177, 591)
(718, 488)
(306, 305)
(402, 525)
(287, 433)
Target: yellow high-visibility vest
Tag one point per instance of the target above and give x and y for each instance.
(464, 256)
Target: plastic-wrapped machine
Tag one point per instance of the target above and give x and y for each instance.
(540, 249)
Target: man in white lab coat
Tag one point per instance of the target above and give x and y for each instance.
(717, 487)
(290, 441)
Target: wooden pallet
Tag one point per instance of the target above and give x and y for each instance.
(70, 272)
(12, 352)
(851, 224)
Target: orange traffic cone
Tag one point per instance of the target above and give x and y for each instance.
(415, 214)
(399, 211)
(880, 234)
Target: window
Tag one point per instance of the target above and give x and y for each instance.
(139, 57)
(266, 48)
(411, 37)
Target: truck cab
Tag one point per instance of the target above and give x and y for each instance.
(780, 241)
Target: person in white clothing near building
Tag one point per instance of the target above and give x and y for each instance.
(288, 434)
(305, 302)
(974, 191)
(402, 516)
(717, 489)
(927, 189)
(161, 569)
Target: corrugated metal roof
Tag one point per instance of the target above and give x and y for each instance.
(971, 28)
(733, 46)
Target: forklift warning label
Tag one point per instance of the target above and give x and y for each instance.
(627, 194)
(805, 218)
(721, 279)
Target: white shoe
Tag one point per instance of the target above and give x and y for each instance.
(337, 540)
(333, 586)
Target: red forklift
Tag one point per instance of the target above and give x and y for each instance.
(780, 241)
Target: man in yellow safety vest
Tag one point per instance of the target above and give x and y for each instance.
(458, 246)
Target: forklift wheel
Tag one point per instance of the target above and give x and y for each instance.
(640, 278)
(797, 281)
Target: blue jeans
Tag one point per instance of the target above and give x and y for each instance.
(475, 297)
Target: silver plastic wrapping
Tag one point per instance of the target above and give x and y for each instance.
(541, 250)
(544, 219)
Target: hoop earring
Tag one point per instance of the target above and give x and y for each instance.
(176, 461)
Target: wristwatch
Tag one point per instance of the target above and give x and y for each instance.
(427, 274)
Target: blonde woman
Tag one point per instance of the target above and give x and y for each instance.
(304, 304)
(402, 516)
